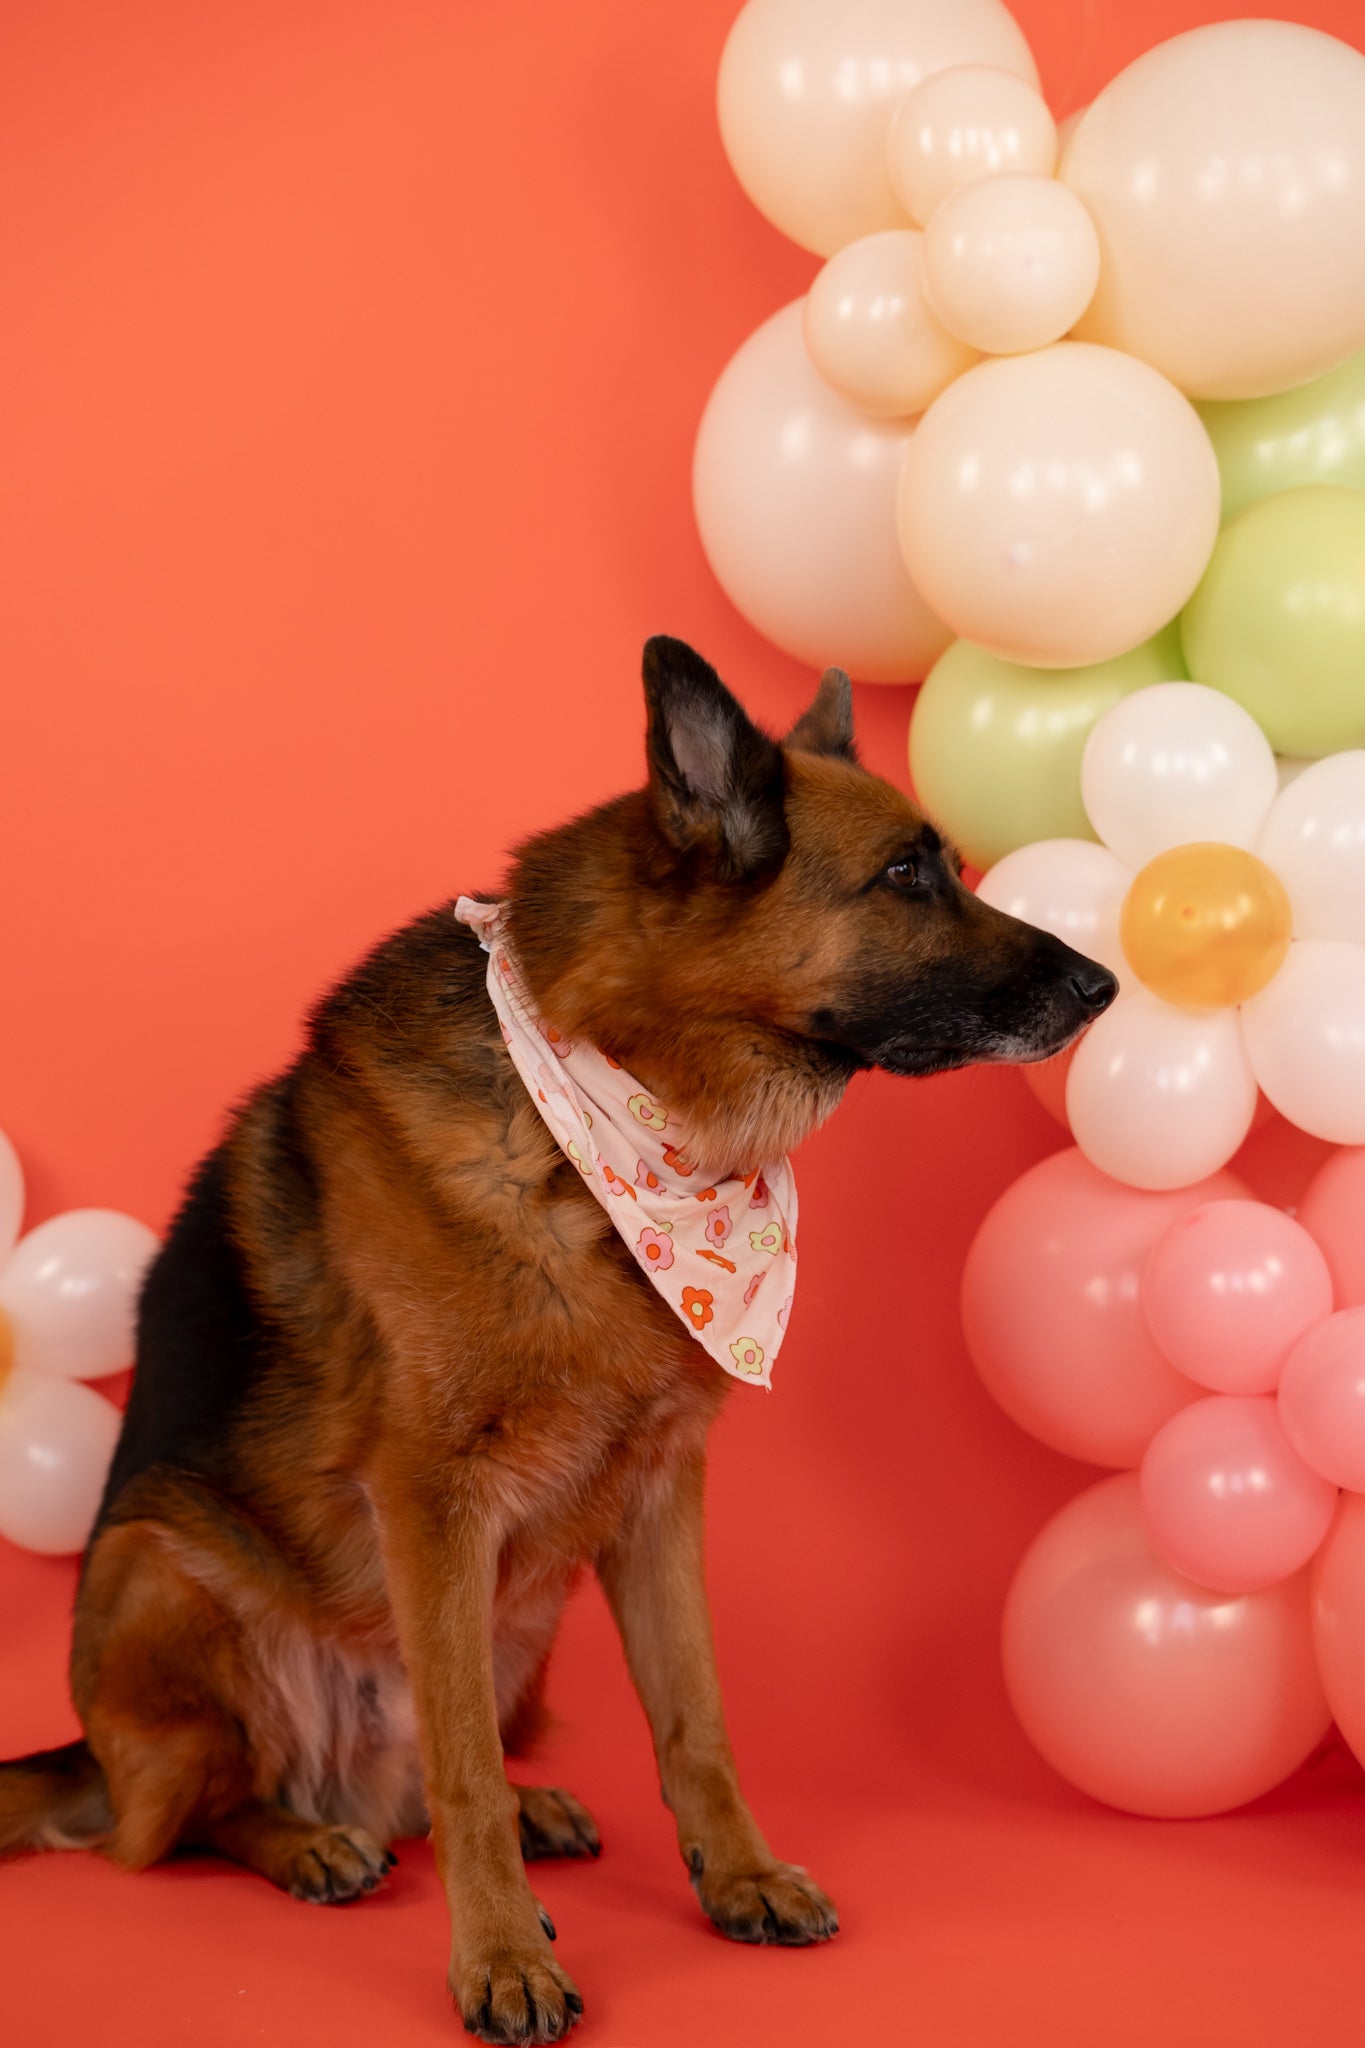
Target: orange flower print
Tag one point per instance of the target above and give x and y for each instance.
(748, 1356)
(615, 1184)
(645, 1177)
(560, 1046)
(768, 1240)
(647, 1113)
(716, 1259)
(759, 1198)
(704, 1195)
(655, 1248)
(752, 1289)
(696, 1306)
(611, 1062)
(674, 1161)
(718, 1226)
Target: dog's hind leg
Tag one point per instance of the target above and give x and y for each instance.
(305, 1858)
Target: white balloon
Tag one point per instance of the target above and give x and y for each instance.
(70, 1292)
(806, 93)
(1314, 839)
(1010, 263)
(1175, 764)
(871, 332)
(971, 121)
(1305, 1034)
(1068, 886)
(11, 1196)
(56, 1441)
(795, 498)
(1160, 1097)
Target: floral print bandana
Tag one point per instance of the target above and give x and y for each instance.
(722, 1254)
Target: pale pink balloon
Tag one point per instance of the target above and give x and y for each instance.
(1226, 1498)
(56, 1440)
(1146, 1691)
(1305, 1037)
(1332, 1211)
(971, 121)
(871, 332)
(1046, 1083)
(70, 1292)
(795, 497)
(1060, 506)
(1229, 1290)
(1322, 1398)
(1010, 263)
(1339, 1620)
(1050, 1308)
(11, 1196)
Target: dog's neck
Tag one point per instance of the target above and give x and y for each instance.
(593, 924)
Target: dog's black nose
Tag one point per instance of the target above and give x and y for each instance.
(1095, 986)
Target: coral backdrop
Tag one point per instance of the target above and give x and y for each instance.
(349, 365)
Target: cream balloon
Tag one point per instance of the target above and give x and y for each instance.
(806, 92)
(971, 121)
(1010, 263)
(1174, 764)
(70, 1292)
(1314, 840)
(11, 1196)
(871, 333)
(1159, 1097)
(1058, 507)
(1225, 170)
(1068, 886)
(56, 1441)
(1066, 128)
(1305, 1035)
(795, 493)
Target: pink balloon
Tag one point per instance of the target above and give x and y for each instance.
(1046, 1082)
(1333, 1210)
(56, 1440)
(1229, 1290)
(1322, 1398)
(1339, 1620)
(1144, 1690)
(70, 1291)
(1227, 1500)
(1051, 1314)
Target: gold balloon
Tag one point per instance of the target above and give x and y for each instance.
(1206, 926)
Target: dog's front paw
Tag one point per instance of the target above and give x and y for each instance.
(781, 1904)
(515, 1996)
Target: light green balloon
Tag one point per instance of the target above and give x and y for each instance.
(995, 748)
(1279, 619)
(1314, 435)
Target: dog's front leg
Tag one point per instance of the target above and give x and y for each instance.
(653, 1577)
(441, 1560)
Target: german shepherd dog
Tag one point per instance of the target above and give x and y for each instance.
(398, 1378)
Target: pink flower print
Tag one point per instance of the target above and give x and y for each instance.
(768, 1240)
(748, 1357)
(759, 1198)
(717, 1227)
(647, 1112)
(784, 1312)
(560, 1046)
(646, 1178)
(655, 1248)
(615, 1184)
(506, 1034)
(752, 1289)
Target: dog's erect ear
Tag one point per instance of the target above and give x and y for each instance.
(717, 782)
(827, 726)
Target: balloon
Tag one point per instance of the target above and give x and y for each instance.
(795, 501)
(1225, 170)
(1050, 1308)
(1314, 434)
(1206, 925)
(995, 748)
(1160, 1097)
(56, 1441)
(1278, 1160)
(1068, 886)
(70, 1292)
(1314, 839)
(1279, 623)
(1058, 507)
(870, 331)
(1228, 1291)
(1305, 1035)
(1010, 263)
(1339, 1620)
(1046, 1083)
(806, 93)
(1226, 1498)
(972, 121)
(1173, 764)
(1322, 1398)
(1145, 1690)
(1066, 128)
(1333, 1213)
(11, 1196)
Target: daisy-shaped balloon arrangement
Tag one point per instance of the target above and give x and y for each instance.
(68, 1300)
(1175, 1637)
(1232, 910)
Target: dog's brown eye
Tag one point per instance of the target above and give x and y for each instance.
(902, 874)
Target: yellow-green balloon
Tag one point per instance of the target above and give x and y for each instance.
(995, 748)
(1312, 435)
(1278, 621)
